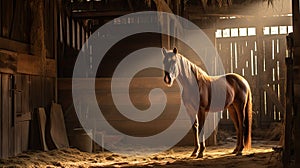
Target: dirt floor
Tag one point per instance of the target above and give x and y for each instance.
(260, 156)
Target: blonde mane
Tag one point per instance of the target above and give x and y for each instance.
(199, 73)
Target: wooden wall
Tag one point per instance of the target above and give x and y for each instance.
(257, 52)
(20, 96)
(139, 95)
(144, 81)
(27, 71)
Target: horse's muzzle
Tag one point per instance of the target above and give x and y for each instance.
(167, 78)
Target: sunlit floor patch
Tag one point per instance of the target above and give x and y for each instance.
(215, 156)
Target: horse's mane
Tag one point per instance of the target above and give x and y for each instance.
(199, 73)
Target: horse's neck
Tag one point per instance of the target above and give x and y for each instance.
(190, 72)
(186, 77)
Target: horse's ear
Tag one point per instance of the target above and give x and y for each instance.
(175, 51)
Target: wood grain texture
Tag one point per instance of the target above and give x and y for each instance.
(58, 129)
(12, 62)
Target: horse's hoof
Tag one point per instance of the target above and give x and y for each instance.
(200, 155)
(235, 151)
(193, 155)
(202, 150)
(239, 153)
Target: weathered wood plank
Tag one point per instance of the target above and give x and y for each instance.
(8, 44)
(1, 9)
(5, 112)
(296, 27)
(25, 93)
(25, 135)
(7, 18)
(96, 14)
(42, 118)
(274, 98)
(105, 83)
(18, 138)
(8, 63)
(1, 115)
(12, 62)
(23, 117)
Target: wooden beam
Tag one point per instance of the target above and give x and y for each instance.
(97, 14)
(12, 62)
(8, 63)
(252, 21)
(256, 9)
(12, 45)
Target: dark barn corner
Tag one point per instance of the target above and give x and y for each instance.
(40, 41)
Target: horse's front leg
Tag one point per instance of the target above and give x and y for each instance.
(201, 119)
(195, 129)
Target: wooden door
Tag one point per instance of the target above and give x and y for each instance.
(22, 112)
(15, 115)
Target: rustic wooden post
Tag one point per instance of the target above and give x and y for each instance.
(296, 53)
(42, 41)
(259, 84)
(38, 48)
(56, 39)
(289, 105)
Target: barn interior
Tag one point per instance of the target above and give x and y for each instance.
(40, 41)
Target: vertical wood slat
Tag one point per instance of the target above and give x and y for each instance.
(49, 27)
(296, 72)
(35, 91)
(16, 22)
(25, 135)
(70, 31)
(5, 115)
(6, 17)
(1, 15)
(19, 27)
(80, 42)
(260, 61)
(1, 117)
(56, 41)
(18, 139)
(75, 34)
(12, 115)
(267, 75)
(52, 31)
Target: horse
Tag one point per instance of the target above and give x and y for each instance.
(238, 99)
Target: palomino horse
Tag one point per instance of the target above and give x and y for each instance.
(238, 99)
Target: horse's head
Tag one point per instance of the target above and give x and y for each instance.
(170, 65)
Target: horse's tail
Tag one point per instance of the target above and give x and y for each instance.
(248, 121)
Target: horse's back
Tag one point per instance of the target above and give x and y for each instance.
(238, 81)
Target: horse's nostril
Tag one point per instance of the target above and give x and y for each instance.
(166, 79)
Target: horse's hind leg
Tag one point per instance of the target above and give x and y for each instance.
(234, 118)
(195, 129)
(239, 109)
(201, 119)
